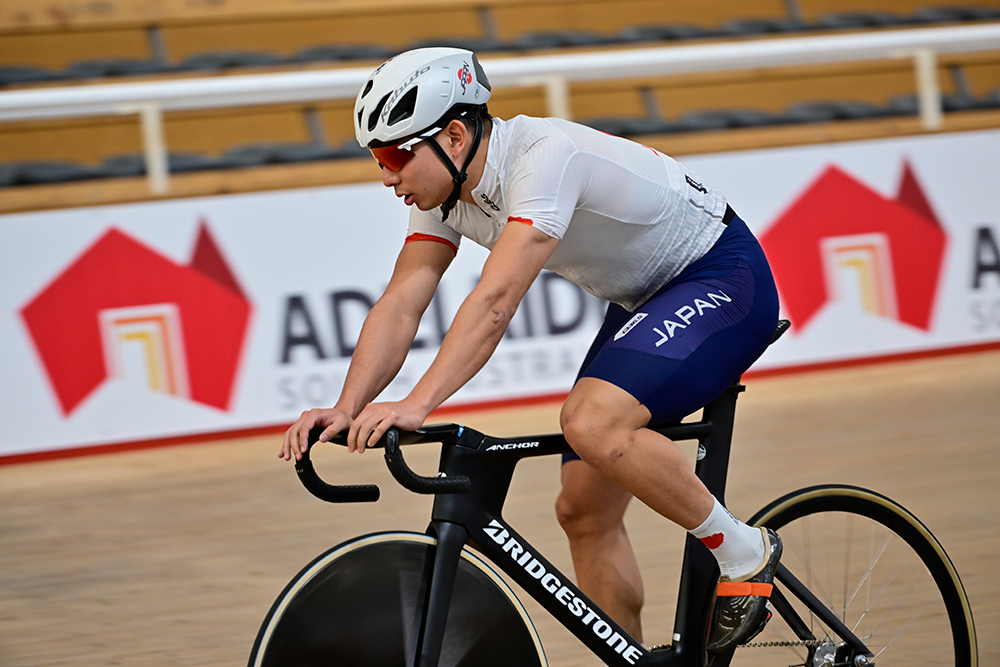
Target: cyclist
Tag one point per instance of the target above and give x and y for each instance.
(692, 305)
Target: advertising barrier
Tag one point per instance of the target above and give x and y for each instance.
(143, 321)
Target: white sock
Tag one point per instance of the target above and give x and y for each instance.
(739, 548)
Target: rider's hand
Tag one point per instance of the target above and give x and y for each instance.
(376, 418)
(297, 436)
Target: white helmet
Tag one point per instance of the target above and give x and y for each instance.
(410, 93)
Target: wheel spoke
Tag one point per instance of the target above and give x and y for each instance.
(875, 567)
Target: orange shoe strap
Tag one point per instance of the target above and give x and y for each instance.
(744, 588)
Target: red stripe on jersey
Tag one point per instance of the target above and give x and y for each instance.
(430, 237)
(526, 221)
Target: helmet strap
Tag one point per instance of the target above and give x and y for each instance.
(457, 177)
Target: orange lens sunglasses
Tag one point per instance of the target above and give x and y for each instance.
(396, 156)
(391, 157)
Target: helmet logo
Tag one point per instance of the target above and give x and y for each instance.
(464, 76)
(394, 95)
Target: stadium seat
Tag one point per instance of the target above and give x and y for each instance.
(630, 127)
(123, 166)
(852, 110)
(16, 75)
(964, 102)
(700, 121)
(903, 105)
(221, 60)
(29, 173)
(954, 14)
(335, 52)
(95, 69)
(8, 175)
(753, 118)
(664, 33)
(743, 27)
(559, 40)
(275, 153)
(134, 164)
(475, 44)
(828, 111)
(858, 20)
(812, 112)
(351, 149)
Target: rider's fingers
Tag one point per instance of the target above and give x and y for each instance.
(352, 435)
(306, 424)
(287, 443)
(363, 438)
(379, 430)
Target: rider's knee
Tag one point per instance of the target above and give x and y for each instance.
(595, 435)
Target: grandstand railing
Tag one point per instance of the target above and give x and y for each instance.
(149, 100)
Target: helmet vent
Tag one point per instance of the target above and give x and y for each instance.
(368, 88)
(404, 108)
(373, 117)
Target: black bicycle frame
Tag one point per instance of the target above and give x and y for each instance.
(465, 513)
(475, 518)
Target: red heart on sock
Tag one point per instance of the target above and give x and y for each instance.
(713, 541)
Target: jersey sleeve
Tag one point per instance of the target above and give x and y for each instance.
(427, 226)
(542, 188)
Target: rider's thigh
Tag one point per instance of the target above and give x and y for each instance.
(598, 417)
(589, 503)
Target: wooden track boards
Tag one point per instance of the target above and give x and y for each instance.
(174, 555)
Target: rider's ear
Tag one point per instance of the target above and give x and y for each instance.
(456, 136)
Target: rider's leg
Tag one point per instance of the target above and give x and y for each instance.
(662, 362)
(591, 509)
(605, 426)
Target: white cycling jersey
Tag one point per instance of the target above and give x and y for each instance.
(629, 218)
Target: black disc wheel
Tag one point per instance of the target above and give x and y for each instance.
(881, 572)
(361, 605)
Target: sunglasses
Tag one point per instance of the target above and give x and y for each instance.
(396, 156)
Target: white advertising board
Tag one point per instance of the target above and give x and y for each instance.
(144, 321)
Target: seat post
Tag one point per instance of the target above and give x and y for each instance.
(712, 466)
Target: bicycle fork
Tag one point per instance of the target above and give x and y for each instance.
(451, 538)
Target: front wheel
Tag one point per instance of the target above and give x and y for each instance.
(882, 573)
(361, 605)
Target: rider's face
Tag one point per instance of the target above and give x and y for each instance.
(423, 181)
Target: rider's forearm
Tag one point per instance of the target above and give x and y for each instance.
(473, 336)
(382, 347)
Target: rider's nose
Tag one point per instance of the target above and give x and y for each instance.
(389, 178)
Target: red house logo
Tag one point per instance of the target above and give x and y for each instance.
(122, 306)
(840, 230)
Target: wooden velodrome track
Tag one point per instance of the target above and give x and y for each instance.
(172, 556)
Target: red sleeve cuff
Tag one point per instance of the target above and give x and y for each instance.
(430, 237)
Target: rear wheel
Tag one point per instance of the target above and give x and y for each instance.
(361, 604)
(879, 569)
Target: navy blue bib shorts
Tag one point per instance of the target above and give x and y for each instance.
(695, 336)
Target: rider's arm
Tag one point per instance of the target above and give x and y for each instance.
(391, 325)
(514, 263)
(385, 339)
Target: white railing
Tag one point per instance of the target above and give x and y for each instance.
(149, 100)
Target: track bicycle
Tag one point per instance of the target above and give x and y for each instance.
(861, 582)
